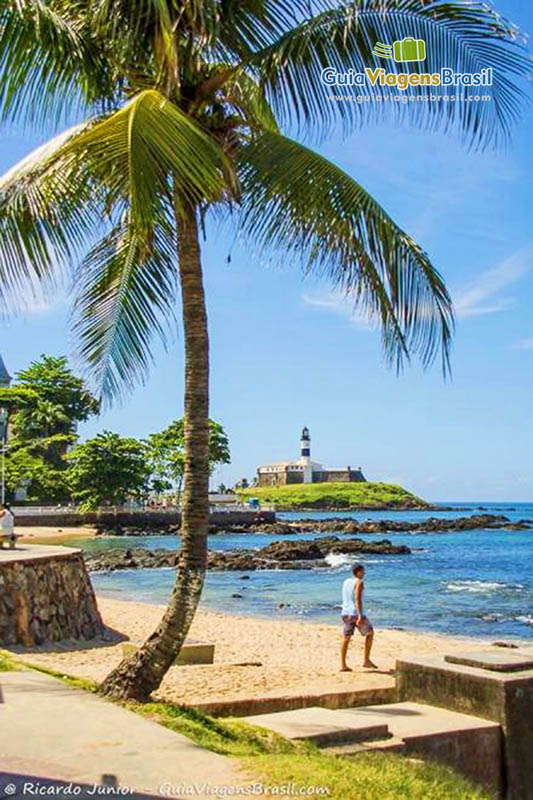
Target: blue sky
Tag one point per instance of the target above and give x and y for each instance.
(287, 352)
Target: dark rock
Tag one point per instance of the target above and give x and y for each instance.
(505, 644)
(293, 551)
(307, 554)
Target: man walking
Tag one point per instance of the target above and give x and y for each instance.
(353, 616)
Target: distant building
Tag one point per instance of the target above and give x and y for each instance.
(303, 470)
(5, 377)
(5, 382)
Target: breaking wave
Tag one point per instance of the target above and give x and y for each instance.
(338, 559)
(482, 587)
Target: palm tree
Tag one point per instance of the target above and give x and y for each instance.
(185, 103)
(44, 419)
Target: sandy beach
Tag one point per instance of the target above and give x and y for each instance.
(47, 535)
(253, 657)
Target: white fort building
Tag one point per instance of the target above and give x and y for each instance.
(303, 470)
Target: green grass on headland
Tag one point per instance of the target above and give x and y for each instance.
(334, 496)
(275, 762)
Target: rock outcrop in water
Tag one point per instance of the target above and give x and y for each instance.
(428, 525)
(306, 554)
(345, 525)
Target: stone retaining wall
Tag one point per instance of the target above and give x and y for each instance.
(136, 519)
(47, 600)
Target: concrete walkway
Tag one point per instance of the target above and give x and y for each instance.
(51, 733)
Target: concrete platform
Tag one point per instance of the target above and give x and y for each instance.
(392, 745)
(493, 661)
(35, 552)
(58, 735)
(469, 744)
(298, 699)
(322, 725)
(192, 652)
(505, 697)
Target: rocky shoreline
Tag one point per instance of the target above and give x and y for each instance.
(341, 525)
(304, 554)
(350, 526)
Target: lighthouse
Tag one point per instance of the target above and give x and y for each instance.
(303, 470)
(305, 446)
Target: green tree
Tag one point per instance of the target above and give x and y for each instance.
(42, 419)
(108, 470)
(219, 452)
(45, 404)
(167, 453)
(63, 399)
(25, 469)
(186, 101)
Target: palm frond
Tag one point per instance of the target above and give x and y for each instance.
(246, 95)
(47, 215)
(138, 150)
(125, 292)
(51, 64)
(297, 201)
(466, 37)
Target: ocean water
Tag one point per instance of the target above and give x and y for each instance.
(474, 583)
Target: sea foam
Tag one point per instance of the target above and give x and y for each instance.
(481, 587)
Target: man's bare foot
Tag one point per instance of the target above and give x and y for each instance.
(370, 665)
(346, 669)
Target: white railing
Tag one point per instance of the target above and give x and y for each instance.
(213, 507)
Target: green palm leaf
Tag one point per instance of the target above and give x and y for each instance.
(48, 212)
(51, 63)
(464, 36)
(54, 202)
(297, 201)
(137, 151)
(126, 291)
(247, 96)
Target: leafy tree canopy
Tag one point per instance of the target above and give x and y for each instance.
(108, 469)
(45, 404)
(15, 397)
(42, 481)
(63, 399)
(167, 451)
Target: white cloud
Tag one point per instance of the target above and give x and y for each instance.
(343, 305)
(482, 296)
(523, 344)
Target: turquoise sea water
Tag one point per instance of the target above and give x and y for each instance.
(476, 583)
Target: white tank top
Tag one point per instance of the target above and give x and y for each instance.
(348, 597)
(7, 522)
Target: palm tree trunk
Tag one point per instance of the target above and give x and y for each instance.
(140, 674)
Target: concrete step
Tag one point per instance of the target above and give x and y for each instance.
(392, 745)
(470, 744)
(322, 725)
